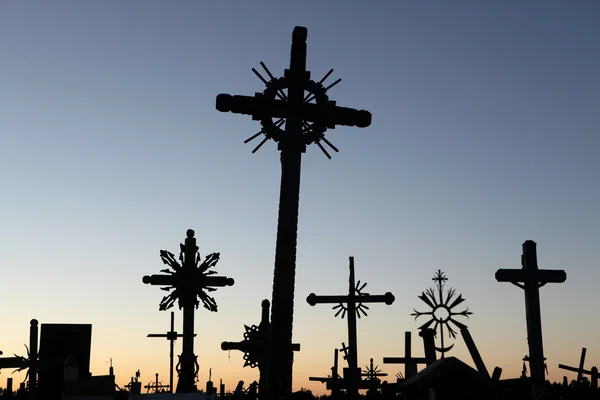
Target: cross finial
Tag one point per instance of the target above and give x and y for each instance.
(439, 278)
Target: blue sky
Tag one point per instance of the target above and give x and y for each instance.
(484, 135)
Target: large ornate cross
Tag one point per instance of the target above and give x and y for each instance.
(532, 280)
(187, 280)
(353, 304)
(410, 362)
(306, 119)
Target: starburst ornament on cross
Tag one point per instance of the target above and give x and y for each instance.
(442, 311)
(181, 279)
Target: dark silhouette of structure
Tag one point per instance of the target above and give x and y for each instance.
(187, 280)
(305, 123)
(171, 336)
(353, 304)
(442, 313)
(532, 279)
(256, 347)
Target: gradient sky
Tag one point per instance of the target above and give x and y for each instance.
(484, 135)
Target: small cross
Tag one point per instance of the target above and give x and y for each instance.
(410, 363)
(439, 278)
(354, 303)
(580, 371)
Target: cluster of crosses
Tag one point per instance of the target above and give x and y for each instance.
(304, 107)
(307, 113)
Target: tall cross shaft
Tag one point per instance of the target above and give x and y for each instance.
(292, 144)
(351, 300)
(532, 279)
(171, 336)
(188, 281)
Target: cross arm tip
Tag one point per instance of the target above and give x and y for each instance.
(311, 299)
(299, 34)
(224, 102)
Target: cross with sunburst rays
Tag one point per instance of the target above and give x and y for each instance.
(442, 313)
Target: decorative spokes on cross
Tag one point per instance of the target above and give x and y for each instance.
(372, 372)
(315, 93)
(442, 310)
(188, 284)
(360, 307)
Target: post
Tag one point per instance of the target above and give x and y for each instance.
(594, 380)
(9, 388)
(474, 352)
(429, 344)
(581, 363)
(496, 374)
(352, 340)
(33, 355)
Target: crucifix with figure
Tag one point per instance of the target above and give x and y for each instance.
(307, 113)
(353, 304)
(171, 336)
(256, 347)
(187, 280)
(531, 279)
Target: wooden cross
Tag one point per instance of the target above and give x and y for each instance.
(305, 123)
(188, 280)
(410, 363)
(171, 336)
(256, 347)
(353, 303)
(30, 363)
(333, 382)
(532, 279)
(580, 371)
(156, 385)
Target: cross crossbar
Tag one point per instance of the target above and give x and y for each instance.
(387, 298)
(259, 106)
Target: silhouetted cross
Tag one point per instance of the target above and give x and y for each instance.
(580, 371)
(171, 336)
(410, 363)
(156, 385)
(532, 279)
(256, 347)
(305, 123)
(188, 279)
(354, 305)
